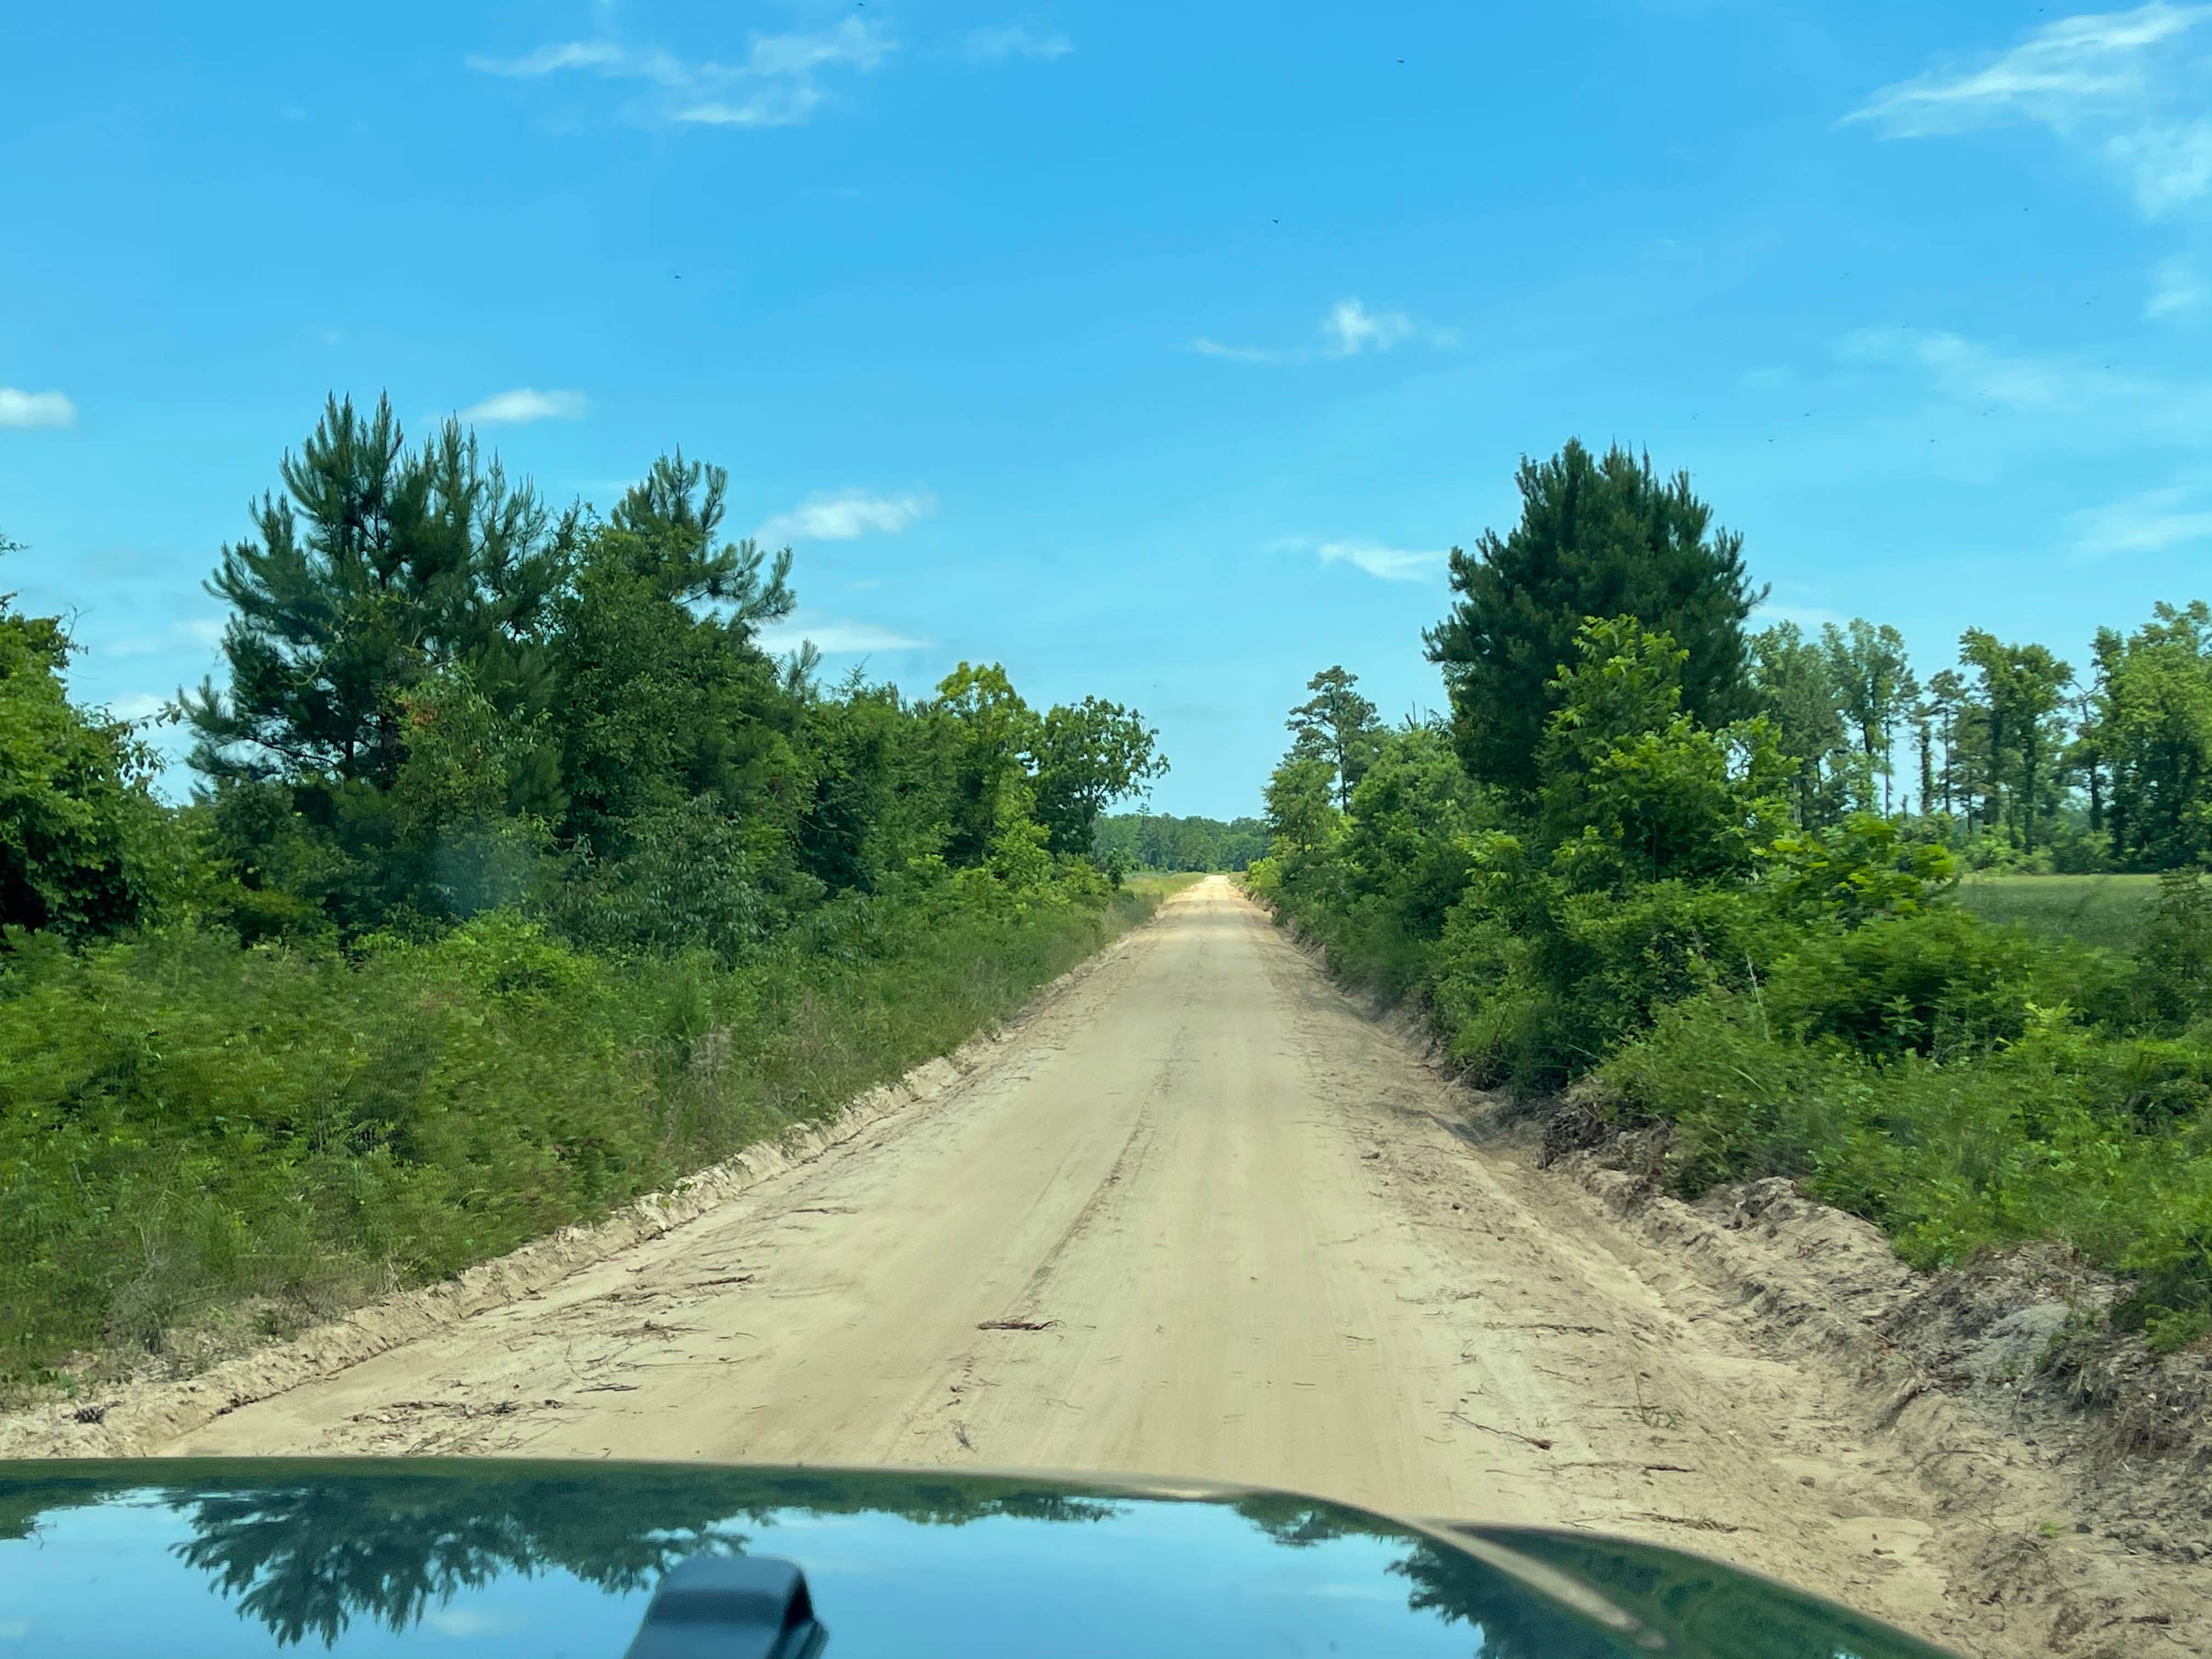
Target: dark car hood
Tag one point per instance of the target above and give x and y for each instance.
(188, 1558)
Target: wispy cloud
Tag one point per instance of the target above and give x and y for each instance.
(1348, 329)
(2131, 86)
(2177, 287)
(525, 403)
(35, 408)
(1964, 369)
(2148, 523)
(1000, 41)
(566, 55)
(1391, 564)
(841, 517)
(1211, 348)
(776, 83)
(835, 637)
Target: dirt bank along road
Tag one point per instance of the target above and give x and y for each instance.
(1198, 1217)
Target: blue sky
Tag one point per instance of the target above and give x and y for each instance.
(1157, 351)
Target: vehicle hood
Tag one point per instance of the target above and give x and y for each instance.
(186, 1558)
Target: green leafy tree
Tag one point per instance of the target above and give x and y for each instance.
(1598, 536)
(1632, 787)
(1947, 699)
(2021, 687)
(665, 692)
(1876, 685)
(1408, 834)
(990, 730)
(1340, 725)
(1087, 756)
(1794, 685)
(81, 835)
(1302, 813)
(2154, 728)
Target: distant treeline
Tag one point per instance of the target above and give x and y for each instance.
(1148, 842)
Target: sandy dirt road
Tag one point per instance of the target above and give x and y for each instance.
(1199, 1218)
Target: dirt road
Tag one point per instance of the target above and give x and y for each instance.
(1199, 1218)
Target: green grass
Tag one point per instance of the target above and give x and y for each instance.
(200, 1143)
(2109, 911)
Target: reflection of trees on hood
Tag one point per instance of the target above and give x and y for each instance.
(1694, 1606)
(313, 1556)
(1510, 1620)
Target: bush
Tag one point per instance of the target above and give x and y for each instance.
(2061, 1134)
(1938, 984)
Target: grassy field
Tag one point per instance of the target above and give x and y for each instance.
(1157, 885)
(2103, 911)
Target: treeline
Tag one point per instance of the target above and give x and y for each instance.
(1665, 863)
(2009, 756)
(1142, 841)
(521, 877)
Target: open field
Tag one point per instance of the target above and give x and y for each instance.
(2110, 911)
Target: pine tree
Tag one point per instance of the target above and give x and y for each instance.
(374, 570)
(1339, 725)
(1598, 538)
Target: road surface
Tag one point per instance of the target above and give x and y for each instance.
(1199, 1218)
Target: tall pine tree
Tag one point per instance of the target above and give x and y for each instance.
(1600, 536)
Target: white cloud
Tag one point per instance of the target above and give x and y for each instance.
(137, 706)
(772, 106)
(1351, 328)
(775, 84)
(549, 60)
(834, 637)
(841, 517)
(1348, 329)
(2131, 86)
(999, 42)
(1965, 368)
(2148, 523)
(1206, 347)
(527, 404)
(2177, 288)
(852, 41)
(1391, 564)
(35, 408)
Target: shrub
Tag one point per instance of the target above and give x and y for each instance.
(1938, 983)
